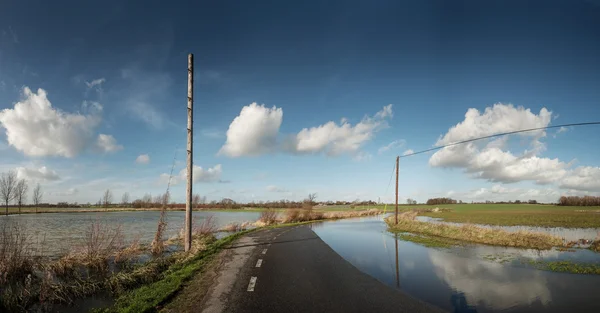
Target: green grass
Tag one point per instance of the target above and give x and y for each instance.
(147, 297)
(519, 214)
(429, 241)
(475, 234)
(567, 267)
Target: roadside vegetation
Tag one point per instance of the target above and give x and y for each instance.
(472, 233)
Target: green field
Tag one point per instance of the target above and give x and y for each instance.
(520, 214)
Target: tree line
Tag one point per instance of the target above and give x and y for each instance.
(14, 189)
(579, 201)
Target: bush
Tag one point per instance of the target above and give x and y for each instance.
(268, 216)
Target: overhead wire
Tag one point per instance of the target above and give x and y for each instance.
(498, 135)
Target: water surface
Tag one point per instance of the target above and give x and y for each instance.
(60, 232)
(459, 279)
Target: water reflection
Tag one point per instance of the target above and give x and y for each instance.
(458, 280)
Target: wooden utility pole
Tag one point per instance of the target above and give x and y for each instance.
(397, 163)
(190, 145)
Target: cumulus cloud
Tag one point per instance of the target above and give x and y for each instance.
(491, 162)
(107, 144)
(199, 175)
(142, 159)
(38, 174)
(334, 139)
(495, 163)
(256, 130)
(499, 118)
(584, 178)
(35, 128)
(253, 132)
(392, 145)
(273, 188)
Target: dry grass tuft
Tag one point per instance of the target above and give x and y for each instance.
(207, 227)
(157, 246)
(268, 216)
(235, 227)
(15, 252)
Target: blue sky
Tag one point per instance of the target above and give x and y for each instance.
(113, 88)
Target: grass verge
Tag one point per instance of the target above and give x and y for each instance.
(471, 233)
(146, 298)
(429, 241)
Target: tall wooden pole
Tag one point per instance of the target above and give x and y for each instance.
(190, 139)
(397, 162)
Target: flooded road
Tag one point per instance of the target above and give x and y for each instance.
(59, 232)
(461, 279)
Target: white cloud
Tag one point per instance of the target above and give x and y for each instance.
(253, 132)
(199, 175)
(39, 174)
(142, 159)
(584, 178)
(107, 144)
(334, 139)
(91, 107)
(408, 151)
(35, 128)
(273, 188)
(491, 162)
(499, 118)
(392, 145)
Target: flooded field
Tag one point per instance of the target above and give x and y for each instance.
(464, 279)
(59, 232)
(569, 234)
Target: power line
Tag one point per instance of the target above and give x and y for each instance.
(498, 135)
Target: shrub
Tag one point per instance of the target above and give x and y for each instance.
(268, 216)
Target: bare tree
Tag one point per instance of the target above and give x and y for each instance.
(125, 199)
(312, 197)
(147, 200)
(107, 198)
(8, 184)
(21, 193)
(195, 200)
(37, 196)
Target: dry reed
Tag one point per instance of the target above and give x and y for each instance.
(476, 234)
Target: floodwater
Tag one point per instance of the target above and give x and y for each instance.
(568, 234)
(57, 233)
(461, 279)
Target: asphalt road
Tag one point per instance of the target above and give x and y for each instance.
(298, 272)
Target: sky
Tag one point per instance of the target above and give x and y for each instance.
(292, 98)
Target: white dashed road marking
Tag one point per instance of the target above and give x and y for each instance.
(264, 251)
(252, 283)
(259, 263)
